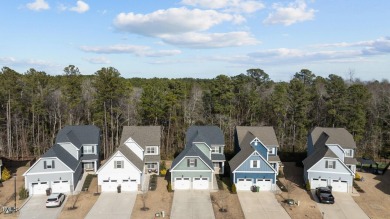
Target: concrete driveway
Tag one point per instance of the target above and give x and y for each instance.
(192, 204)
(261, 205)
(36, 208)
(344, 207)
(113, 205)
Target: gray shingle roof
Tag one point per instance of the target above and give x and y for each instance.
(192, 151)
(133, 158)
(152, 158)
(266, 134)
(63, 155)
(143, 135)
(317, 156)
(274, 158)
(79, 134)
(242, 155)
(350, 160)
(218, 157)
(338, 136)
(211, 135)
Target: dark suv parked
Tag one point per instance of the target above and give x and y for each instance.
(324, 195)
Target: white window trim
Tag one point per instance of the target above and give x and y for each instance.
(192, 162)
(92, 151)
(151, 147)
(257, 163)
(330, 164)
(346, 152)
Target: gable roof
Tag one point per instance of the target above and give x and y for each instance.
(338, 136)
(133, 158)
(266, 134)
(192, 151)
(59, 152)
(79, 134)
(240, 157)
(211, 135)
(143, 135)
(317, 156)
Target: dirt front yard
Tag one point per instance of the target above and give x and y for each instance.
(375, 201)
(293, 180)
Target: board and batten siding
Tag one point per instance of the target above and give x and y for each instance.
(39, 166)
(200, 165)
(261, 149)
(192, 174)
(254, 176)
(204, 148)
(246, 165)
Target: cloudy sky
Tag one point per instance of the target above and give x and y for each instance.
(198, 38)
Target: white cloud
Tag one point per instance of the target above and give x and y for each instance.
(172, 21)
(81, 7)
(98, 60)
(238, 6)
(211, 40)
(38, 5)
(7, 60)
(293, 13)
(131, 49)
(369, 47)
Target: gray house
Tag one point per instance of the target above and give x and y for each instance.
(203, 156)
(76, 150)
(330, 160)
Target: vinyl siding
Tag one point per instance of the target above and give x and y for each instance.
(183, 165)
(204, 148)
(320, 166)
(255, 176)
(135, 148)
(39, 166)
(246, 165)
(337, 150)
(262, 150)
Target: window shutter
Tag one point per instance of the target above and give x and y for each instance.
(123, 164)
(326, 164)
(188, 162)
(334, 164)
(93, 149)
(196, 162)
(52, 164)
(44, 165)
(115, 164)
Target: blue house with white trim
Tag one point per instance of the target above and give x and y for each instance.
(256, 162)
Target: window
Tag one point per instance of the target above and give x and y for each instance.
(255, 164)
(192, 162)
(88, 149)
(216, 150)
(329, 164)
(271, 151)
(151, 150)
(349, 153)
(118, 164)
(151, 165)
(48, 164)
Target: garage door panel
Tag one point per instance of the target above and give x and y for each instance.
(315, 183)
(264, 184)
(200, 183)
(244, 184)
(39, 188)
(109, 186)
(339, 186)
(60, 186)
(182, 183)
(129, 185)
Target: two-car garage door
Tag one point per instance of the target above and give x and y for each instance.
(126, 185)
(198, 183)
(246, 184)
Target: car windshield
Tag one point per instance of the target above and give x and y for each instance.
(52, 199)
(326, 191)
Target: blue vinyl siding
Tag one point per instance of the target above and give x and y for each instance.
(261, 149)
(255, 176)
(246, 165)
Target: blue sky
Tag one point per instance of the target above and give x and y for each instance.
(198, 38)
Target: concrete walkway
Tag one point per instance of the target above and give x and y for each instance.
(192, 204)
(113, 205)
(261, 205)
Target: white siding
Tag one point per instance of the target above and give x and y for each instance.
(69, 147)
(338, 151)
(128, 171)
(320, 166)
(135, 148)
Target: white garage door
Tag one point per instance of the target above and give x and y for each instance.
(39, 188)
(182, 183)
(60, 186)
(109, 185)
(315, 183)
(264, 184)
(244, 184)
(339, 186)
(200, 183)
(129, 185)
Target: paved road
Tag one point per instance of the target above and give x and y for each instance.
(36, 208)
(343, 208)
(192, 204)
(113, 205)
(261, 205)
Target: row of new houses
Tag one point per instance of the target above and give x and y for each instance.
(330, 160)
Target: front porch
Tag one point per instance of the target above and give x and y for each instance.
(219, 167)
(152, 167)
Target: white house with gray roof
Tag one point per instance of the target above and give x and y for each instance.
(76, 150)
(137, 155)
(203, 156)
(330, 160)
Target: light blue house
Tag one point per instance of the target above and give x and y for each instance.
(257, 162)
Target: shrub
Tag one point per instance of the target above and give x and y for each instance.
(358, 177)
(163, 172)
(23, 193)
(169, 187)
(163, 166)
(308, 186)
(6, 174)
(280, 174)
(234, 189)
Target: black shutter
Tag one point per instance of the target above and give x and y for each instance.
(196, 162)
(44, 164)
(326, 164)
(188, 162)
(52, 164)
(334, 164)
(93, 149)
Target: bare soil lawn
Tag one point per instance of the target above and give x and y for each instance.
(375, 202)
(224, 199)
(157, 201)
(79, 205)
(293, 180)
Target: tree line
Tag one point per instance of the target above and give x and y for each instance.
(34, 106)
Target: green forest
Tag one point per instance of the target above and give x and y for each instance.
(34, 106)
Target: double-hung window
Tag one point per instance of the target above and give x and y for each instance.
(192, 162)
(330, 164)
(151, 150)
(88, 149)
(118, 164)
(349, 153)
(255, 164)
